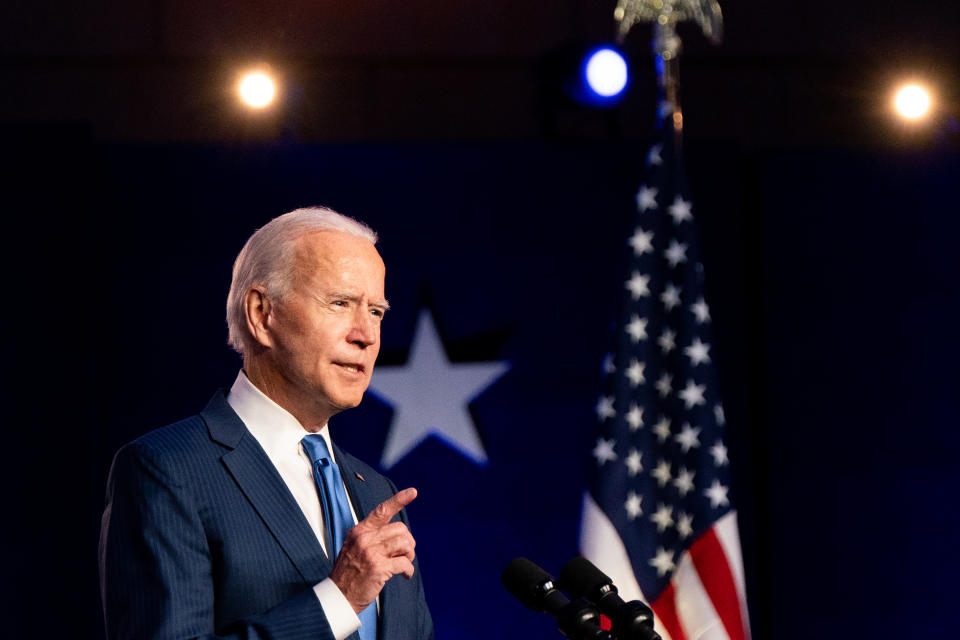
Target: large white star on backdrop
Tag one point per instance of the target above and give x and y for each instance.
(430, 396)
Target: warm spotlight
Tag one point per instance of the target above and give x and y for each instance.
(912, 102)
(257, 89)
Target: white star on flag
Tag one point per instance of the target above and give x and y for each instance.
(443, 412)
(718, 415)
(688, 438)
(634, 464)
(676, 253)
(646, 198)
(635, 372)
(638, 284)
(605, 408)
(604, 452)
(692, 394)
(665, 385)
(698, 352)
(635, 417)
(667, 341)
(684, 481)
(670, 296)
(637, 328)
(681, 210)
(717, 494)
(641, 241)
(663, 517)
(662, 562)
(662, 473)
(701, 311)
(719, 453)
(633, 505)
(684, 525)
(662, 429)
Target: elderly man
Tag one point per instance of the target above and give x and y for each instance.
(246, 521)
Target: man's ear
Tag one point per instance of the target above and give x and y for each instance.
(257, 309)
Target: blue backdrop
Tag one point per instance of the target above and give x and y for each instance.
(830, 278)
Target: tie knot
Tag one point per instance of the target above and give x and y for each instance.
(316, 448)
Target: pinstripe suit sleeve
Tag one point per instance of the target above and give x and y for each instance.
(155, 564)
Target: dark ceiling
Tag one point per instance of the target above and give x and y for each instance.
(790, 72)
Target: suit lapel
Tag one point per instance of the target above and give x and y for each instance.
(363, 499)
(266, 491)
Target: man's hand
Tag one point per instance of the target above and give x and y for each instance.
(374, 551)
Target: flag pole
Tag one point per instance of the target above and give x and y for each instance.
(666, 48)
(666, 44)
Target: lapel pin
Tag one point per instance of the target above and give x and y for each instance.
(359, 477)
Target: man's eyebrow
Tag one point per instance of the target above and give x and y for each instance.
(379, 304)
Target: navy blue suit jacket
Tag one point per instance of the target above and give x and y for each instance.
(201, 538)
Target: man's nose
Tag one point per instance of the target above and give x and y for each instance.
(364, 330)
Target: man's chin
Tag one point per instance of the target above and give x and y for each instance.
(346, 401)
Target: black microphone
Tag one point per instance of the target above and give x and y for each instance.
(531, 585)
(631, 620)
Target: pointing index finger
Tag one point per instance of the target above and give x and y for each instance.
(390, 507)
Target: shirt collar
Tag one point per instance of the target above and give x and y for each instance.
(275, 428)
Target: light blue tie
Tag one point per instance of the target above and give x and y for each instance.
(336, 514)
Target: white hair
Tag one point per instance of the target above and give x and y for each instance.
(267, 260)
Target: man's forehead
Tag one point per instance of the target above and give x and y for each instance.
(325, 247)
(337, 257)
(331, 240)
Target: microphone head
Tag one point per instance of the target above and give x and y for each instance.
(581, 579)
(527, 582)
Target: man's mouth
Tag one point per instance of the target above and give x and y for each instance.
(352, 368)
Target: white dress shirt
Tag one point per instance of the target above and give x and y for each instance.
(279, 433)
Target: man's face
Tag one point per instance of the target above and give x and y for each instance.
(326, 331)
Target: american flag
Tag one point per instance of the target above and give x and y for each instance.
(658, 518)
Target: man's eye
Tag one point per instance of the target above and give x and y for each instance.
(377, 312)
(340, 303)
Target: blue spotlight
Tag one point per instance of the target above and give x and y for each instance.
(604, 74)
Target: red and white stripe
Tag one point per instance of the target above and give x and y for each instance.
(706, 599)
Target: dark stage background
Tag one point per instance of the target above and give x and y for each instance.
(831, 279)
